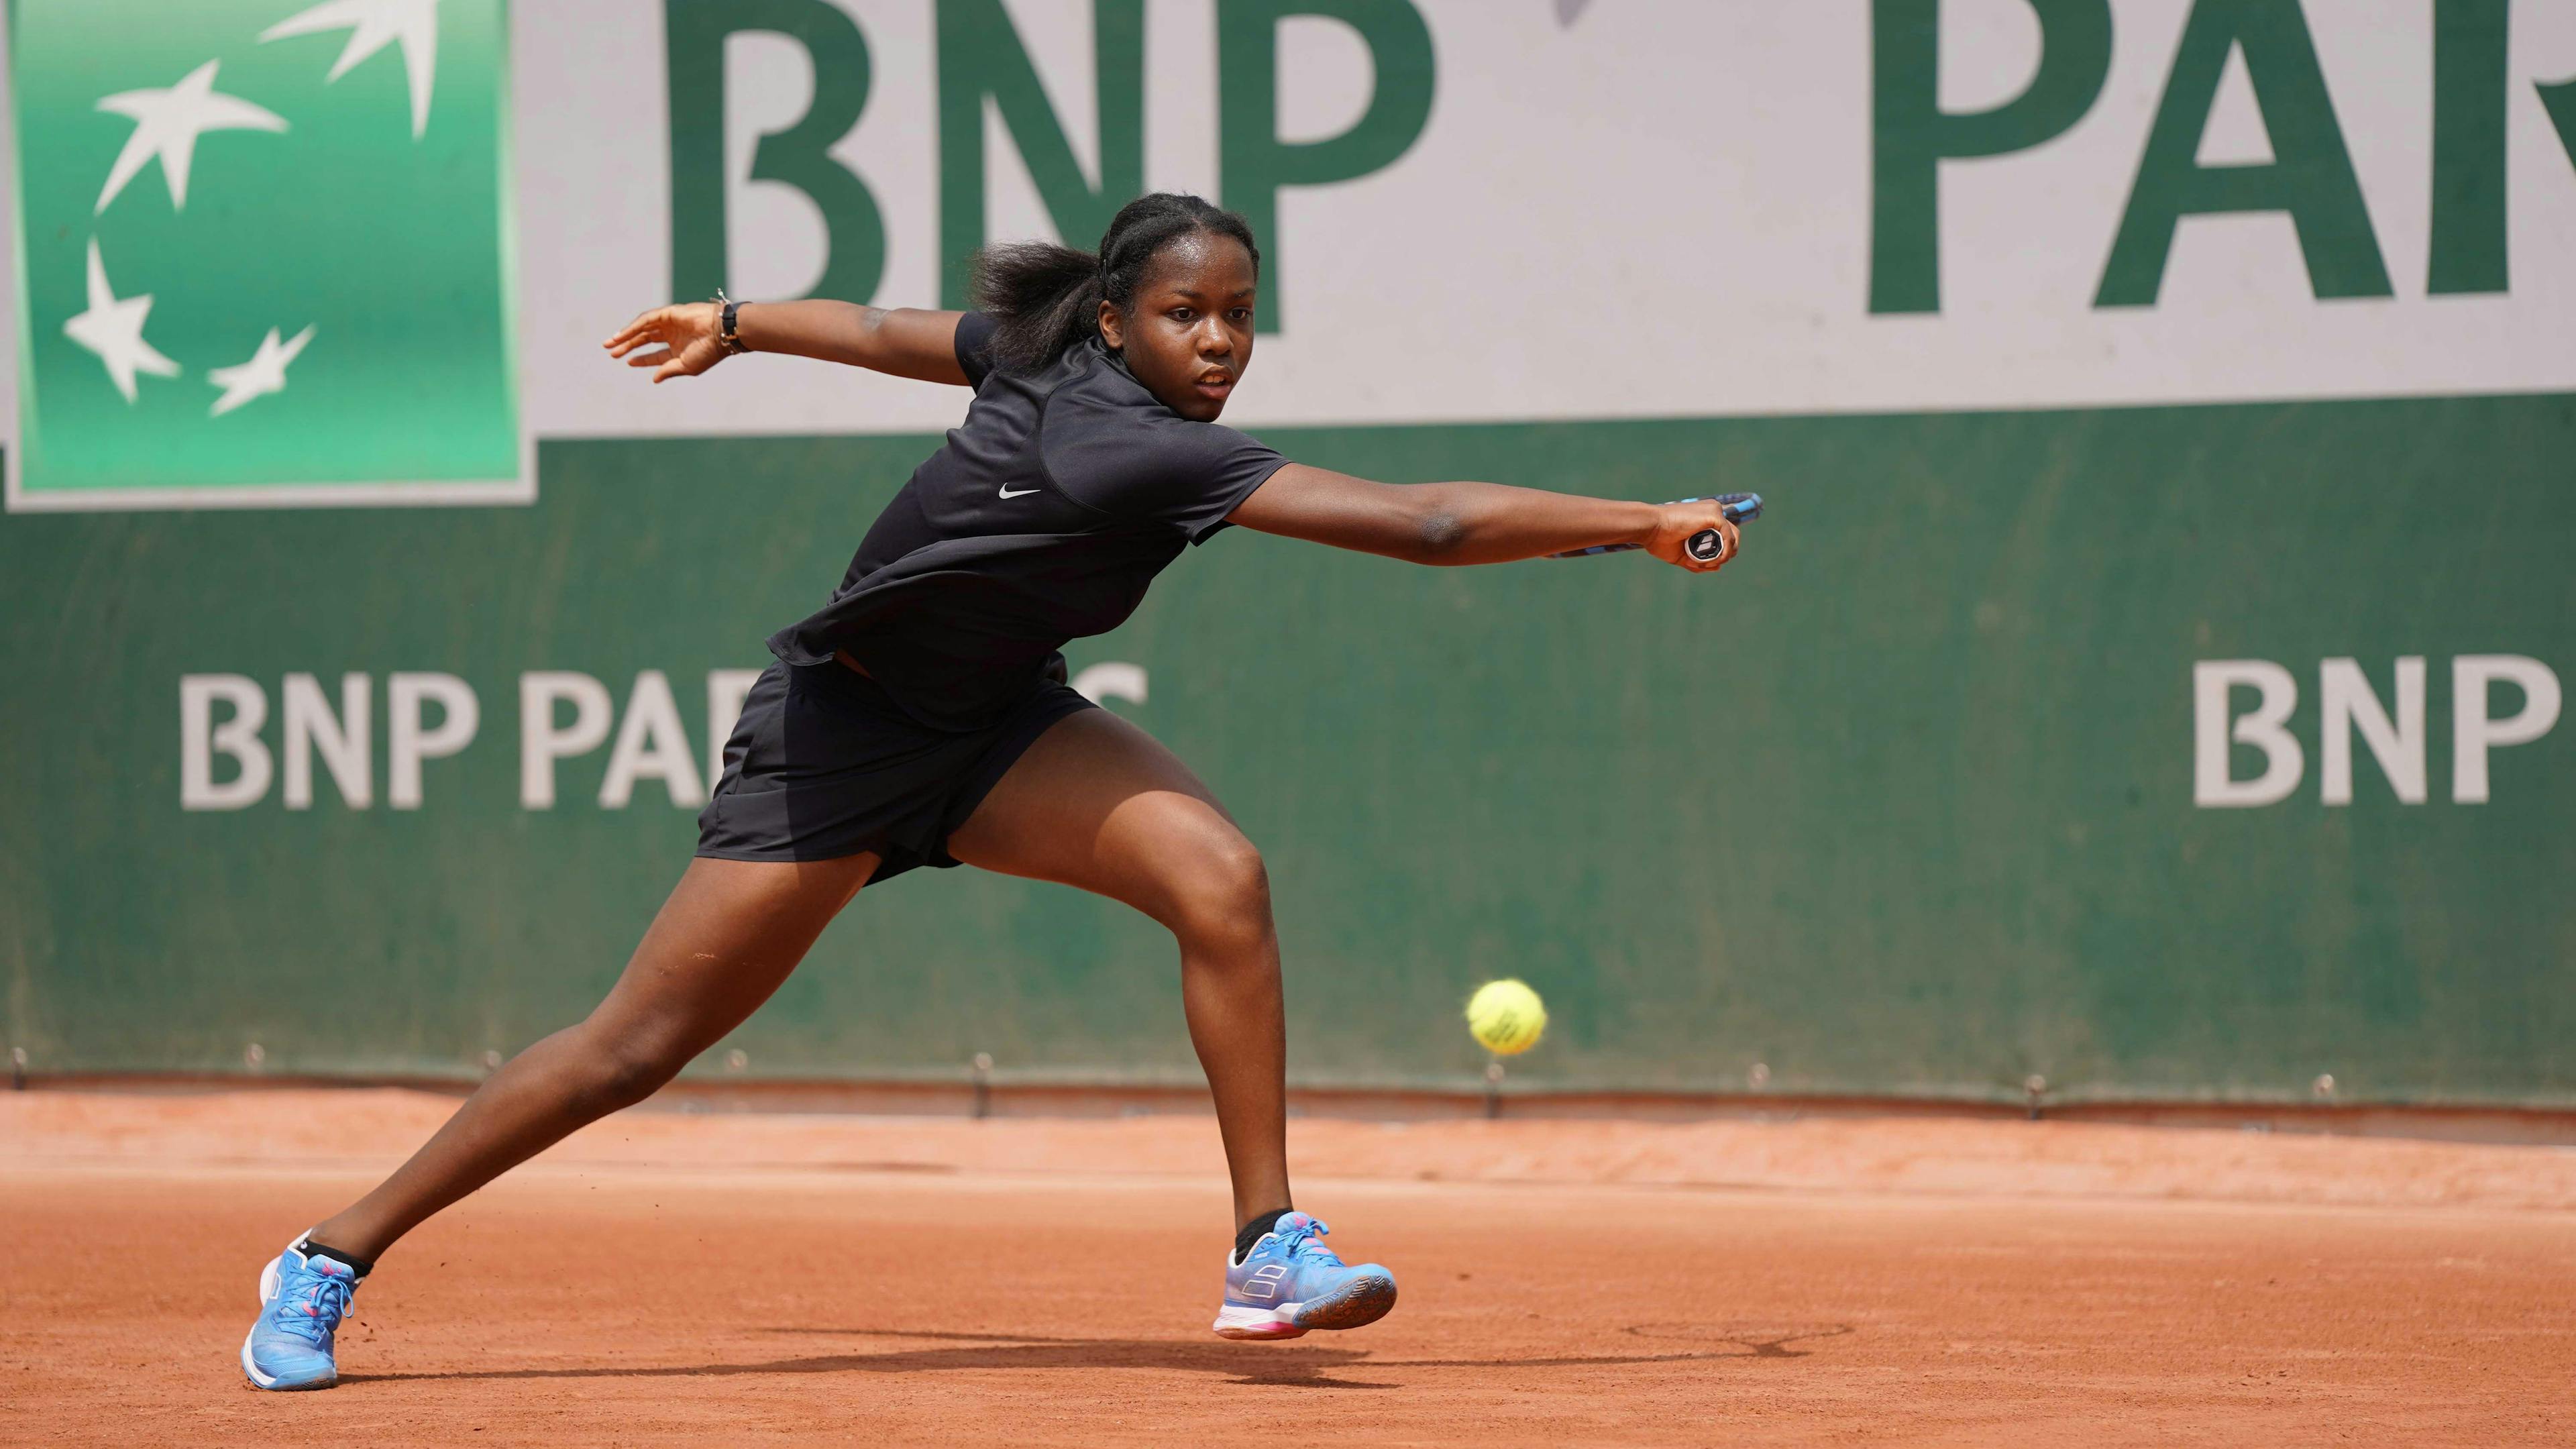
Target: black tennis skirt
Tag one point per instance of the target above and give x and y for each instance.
(824, 764)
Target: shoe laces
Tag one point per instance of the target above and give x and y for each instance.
(1300, 1245)
(312, 1307)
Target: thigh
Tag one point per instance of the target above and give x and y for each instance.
(1100, 804)
(730, 932)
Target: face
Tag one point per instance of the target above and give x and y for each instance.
(1188, 337)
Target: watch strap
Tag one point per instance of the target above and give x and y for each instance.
(727, 334)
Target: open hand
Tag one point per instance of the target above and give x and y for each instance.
(681, 338)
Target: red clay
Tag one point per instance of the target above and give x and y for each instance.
(737, 1280)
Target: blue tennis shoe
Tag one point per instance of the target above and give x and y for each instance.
(301, 1302)
(1290, 1282)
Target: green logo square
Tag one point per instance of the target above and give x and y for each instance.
(265, 254)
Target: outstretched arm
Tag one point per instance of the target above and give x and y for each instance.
(1470, 523)
(681, 341)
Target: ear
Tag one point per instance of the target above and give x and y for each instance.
(1113, 328)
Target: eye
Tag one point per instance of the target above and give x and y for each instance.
(1241, 314)
(1184, 314)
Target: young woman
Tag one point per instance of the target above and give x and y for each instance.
(921, 718)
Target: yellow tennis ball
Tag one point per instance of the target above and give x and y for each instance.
(1506, 1016)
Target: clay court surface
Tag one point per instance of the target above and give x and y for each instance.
(672, 1278)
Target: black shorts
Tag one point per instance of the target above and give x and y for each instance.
(824, 764)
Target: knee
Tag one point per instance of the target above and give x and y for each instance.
(1221, 896)
(623, 1073)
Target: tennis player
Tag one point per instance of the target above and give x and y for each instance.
(921, 717)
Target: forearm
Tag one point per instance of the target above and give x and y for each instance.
(1442, 523)
(817, 327)
(903, 341)
(1482, 523)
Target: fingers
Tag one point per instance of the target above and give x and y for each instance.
(672, 341)
(646, 327)
(1733, 538)
(687, 361)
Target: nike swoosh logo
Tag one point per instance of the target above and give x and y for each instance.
(1023, 493)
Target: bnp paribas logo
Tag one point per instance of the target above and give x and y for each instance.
(265, 254)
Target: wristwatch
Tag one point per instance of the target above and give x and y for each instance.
(726, 337)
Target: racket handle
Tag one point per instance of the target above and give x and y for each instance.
(1741, 508)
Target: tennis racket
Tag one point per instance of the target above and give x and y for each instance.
(1741, 508)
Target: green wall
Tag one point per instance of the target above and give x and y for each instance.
(1902, 802)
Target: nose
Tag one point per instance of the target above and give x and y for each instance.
(1213, 339)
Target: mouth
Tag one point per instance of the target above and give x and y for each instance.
(1215, 385)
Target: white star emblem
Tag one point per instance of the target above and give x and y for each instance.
(265, 373)
(113, 328)
(167, 124)
(373, 25)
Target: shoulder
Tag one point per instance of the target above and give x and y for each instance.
(974, 346)
(1098, 426)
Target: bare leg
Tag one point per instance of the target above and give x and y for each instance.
(729, 934)
(1098, 803)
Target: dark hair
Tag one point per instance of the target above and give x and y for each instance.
(1046, 297)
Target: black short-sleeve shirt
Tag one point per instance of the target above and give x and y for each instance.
(1043, 519)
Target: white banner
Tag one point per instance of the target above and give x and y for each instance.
(1621, 207)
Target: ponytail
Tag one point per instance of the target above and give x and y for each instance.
(1045, 298)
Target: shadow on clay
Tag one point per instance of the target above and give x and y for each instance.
(1766, 1340)
(1300, 1367)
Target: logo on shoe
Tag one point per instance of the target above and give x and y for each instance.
(1264, 1282)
